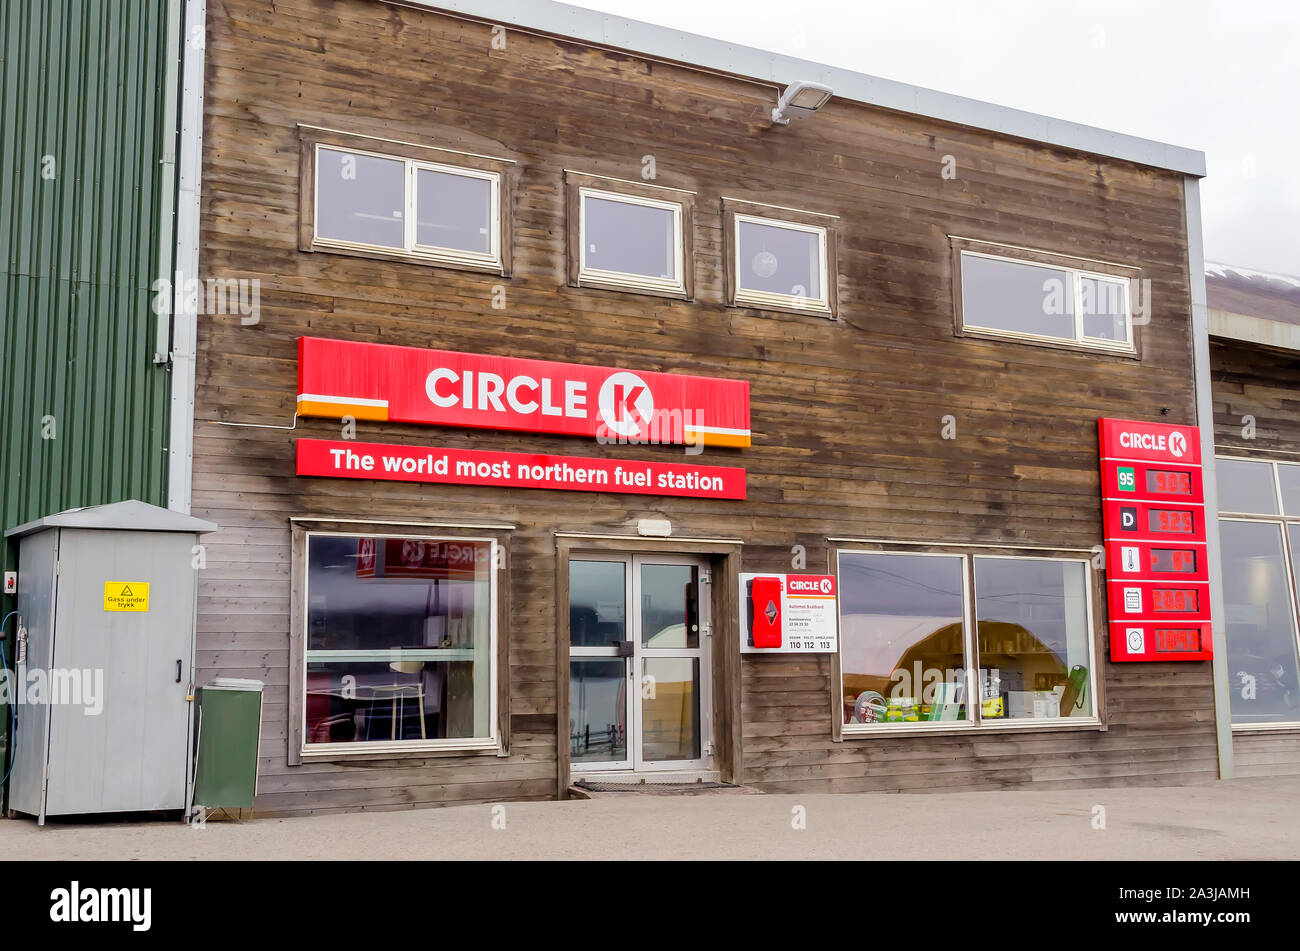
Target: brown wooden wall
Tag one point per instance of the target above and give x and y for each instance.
(1261, 382)
(846, 414)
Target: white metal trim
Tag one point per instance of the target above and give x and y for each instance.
(184, 344)
(1209, 474)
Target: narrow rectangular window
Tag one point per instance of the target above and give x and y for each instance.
(1033, 300)
(373, 204)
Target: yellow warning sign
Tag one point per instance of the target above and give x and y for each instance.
(126, 596)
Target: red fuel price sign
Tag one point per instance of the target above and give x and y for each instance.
(1153, 518)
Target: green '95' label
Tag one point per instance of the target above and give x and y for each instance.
(1127, 480)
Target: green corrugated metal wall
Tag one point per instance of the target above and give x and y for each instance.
(83, 82)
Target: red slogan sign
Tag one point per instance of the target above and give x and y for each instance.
(520, 470)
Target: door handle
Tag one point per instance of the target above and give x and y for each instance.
(178, 671)
(625, 648)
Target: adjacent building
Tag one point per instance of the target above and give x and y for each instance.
(90, 96)
(1254, 325)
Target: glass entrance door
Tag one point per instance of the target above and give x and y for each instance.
(638, 663)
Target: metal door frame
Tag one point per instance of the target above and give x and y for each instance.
(632, 562)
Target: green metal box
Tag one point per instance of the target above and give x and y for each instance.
(230, 726)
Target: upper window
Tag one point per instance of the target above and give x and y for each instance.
(400, 636)
(1249, 486)
(780, 263)
(907, 654)
(630, 241)
(372, 202)
(1036, 301)
(629, 236)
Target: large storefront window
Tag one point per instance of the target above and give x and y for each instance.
(1260, 558)
(1035, 637)
(907, 656)
(399, 640)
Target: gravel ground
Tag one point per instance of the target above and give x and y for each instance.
(1240, 819)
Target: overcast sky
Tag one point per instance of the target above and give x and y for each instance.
(1214, 75)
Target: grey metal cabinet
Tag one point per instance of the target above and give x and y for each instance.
(107, 598)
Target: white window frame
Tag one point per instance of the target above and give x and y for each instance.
(1283, 521)
(316, 751)
(747, 296)
(1128, 346)
(491, 260)
(975, 722)
(621, 279)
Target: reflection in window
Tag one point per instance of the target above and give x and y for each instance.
(1033, 635)
(780, 263)
(902, 635)
(1245, 486)
(670, 712)
(1259, 625)
(399, 639)
(597, 617)
(598, 709)
(669, 606)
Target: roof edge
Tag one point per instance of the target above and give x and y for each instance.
(561, 20)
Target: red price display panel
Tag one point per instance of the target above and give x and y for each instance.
(1153, 516)
(1169, 482)
(1151, 481)
(1173, 559)
(1178, 640)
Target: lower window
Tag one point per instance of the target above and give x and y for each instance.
(964, 640)
(399, 641)
(1259, 625)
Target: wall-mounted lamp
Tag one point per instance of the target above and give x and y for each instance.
(800, 99)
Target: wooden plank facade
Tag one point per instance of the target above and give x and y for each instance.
(848, 413)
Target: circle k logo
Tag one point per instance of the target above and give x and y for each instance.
(1177, 444)
(626, 404)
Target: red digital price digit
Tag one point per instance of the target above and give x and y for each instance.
(1170, 521)
(1174, 600)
